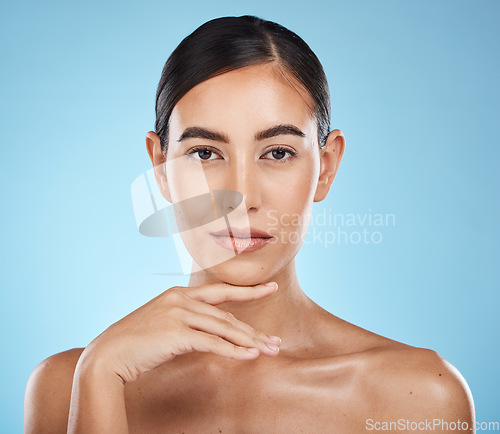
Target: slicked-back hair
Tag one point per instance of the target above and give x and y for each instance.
(229, 43)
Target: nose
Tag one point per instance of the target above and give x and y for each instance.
(242, 177)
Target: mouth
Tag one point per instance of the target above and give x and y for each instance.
(241, 240)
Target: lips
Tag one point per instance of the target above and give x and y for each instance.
(241, 239)
(237, 232)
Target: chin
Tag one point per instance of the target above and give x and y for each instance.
(240, 271)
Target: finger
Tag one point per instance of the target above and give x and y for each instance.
(201, 307)
(217, 293)
(228, 331)
(205, 342)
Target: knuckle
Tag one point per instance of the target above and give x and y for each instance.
(229, 316)
(214, 340)
(257, 341)
(263, 335)
(225, 324)
(175, 296)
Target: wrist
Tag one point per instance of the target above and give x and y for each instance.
(93, 364)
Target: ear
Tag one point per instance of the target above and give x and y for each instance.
(330, 157)
(153, 145)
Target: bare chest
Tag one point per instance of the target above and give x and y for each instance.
(285, 399)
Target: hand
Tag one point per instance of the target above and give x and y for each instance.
(178, 321)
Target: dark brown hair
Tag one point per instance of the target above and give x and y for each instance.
(228, 43)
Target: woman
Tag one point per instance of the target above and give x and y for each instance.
(243, 113)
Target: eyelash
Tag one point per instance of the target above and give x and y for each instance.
(278, 148)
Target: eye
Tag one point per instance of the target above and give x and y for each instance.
(279, 154)
(203, 152)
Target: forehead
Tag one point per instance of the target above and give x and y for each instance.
(248, 99)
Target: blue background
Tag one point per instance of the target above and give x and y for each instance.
(415, 90)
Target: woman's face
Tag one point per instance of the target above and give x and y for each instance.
(227, 155)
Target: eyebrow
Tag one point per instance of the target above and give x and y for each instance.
(202, 133)
(277, 130)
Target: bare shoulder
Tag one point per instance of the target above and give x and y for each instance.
(417, 384)
(48, 393)
(391, 380)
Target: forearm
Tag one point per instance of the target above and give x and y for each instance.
(97, 401)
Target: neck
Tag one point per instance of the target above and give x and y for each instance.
(283, 314)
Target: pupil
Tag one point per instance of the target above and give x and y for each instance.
(205, 153)
(278, 153)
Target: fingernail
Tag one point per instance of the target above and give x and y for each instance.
(271, 285)
(253, 350)
(272, 347)
(275, 339)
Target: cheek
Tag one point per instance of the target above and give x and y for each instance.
(186, 179)
(293, 200)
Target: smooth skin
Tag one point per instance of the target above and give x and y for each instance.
(180, 363)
